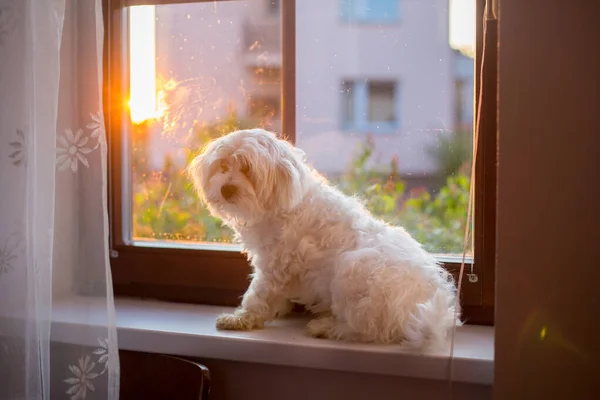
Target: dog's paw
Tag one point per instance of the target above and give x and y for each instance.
(285, 309)
(238, 321)
(320, 327)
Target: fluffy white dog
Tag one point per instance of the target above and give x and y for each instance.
(310, 244)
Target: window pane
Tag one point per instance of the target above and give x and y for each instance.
(402, 142)
(382, 102)
(197, 71)
(274, 6)
(347, 97)
(384, 105)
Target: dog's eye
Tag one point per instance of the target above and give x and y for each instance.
(224, 166)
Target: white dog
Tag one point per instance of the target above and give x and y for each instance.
(310, 244)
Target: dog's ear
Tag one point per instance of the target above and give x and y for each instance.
(287, 188)
(290, 174)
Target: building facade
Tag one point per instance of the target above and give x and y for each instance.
(379, 69)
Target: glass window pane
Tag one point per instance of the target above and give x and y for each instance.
(347, 95)
(382, 102)
(197, 71)
(384, 105)
(401, 145)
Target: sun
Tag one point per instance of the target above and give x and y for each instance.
(143, 97)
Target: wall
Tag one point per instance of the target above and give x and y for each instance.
(153, 376)
(413, 51)
(236, 380)
(547, 305)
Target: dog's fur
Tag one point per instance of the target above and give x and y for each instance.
(308, 243)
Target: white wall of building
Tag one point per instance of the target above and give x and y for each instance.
(414, 51)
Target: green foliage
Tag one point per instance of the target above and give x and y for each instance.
(439, 222)
(453, 151)
(166, 207)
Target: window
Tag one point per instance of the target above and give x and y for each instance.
(370, 106)
(370, 11)
(459, 103)
(463, 90)
(263, 108)
(266, 75)
(180, 73)
(274, 6)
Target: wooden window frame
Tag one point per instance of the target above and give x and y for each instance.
(221, 277)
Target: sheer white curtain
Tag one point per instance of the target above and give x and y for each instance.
(53, 203)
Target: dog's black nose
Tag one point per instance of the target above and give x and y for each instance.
(228, 191)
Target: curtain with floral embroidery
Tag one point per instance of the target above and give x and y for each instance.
(53, 204)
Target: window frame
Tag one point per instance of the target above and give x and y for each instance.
(219, 277)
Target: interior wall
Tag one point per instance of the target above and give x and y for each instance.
(547, 296)
(249, 381)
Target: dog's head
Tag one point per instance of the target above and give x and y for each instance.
(246, 174)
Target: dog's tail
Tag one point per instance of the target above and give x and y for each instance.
(429, 327)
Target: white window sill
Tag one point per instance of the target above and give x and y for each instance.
(189, 330)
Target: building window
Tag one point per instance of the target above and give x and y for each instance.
(266, 75)
(459, 104)
(274, 6)
(375, 11)
(262, 107)
(371, 106)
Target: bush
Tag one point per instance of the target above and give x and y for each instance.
(166, 207)
(452, 151)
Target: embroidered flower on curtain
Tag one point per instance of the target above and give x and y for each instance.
(72, 150)
(7, 256)
(97, 126)
(82, 380)
(19, 149)
(84, 374)
(102, 351)
(8, 252)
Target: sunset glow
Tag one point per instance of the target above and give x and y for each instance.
(143, 104)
